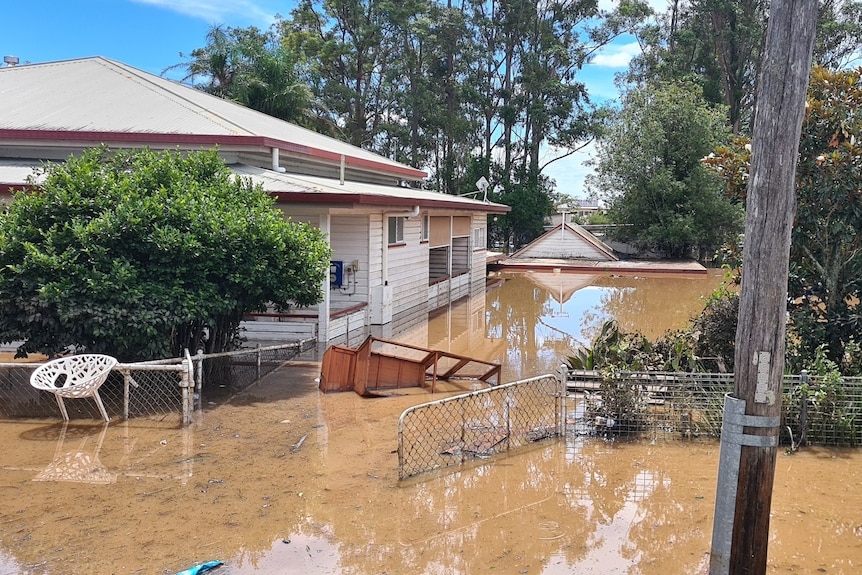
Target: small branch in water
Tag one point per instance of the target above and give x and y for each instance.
(298, 444)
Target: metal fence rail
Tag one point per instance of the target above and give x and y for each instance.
(223, 375)
(458, 429)
(170, 387)
(689, 405)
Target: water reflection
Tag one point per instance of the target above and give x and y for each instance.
(81, 465)
(528, 321)
(601, 509)
(534, 319)
(235, 488)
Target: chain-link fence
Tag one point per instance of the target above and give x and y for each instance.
(684, 405)
(824, 411)
(131, 390)
(164, 388)
(219, 376)
(458, 429)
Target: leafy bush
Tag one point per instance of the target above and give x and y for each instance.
(825, 412)
(140, 254)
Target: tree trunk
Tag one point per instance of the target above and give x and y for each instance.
(760, 346)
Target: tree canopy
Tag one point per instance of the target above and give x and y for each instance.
(252, 68)
(467, 90)
(650, 171)
(826, 245)
(140, 254)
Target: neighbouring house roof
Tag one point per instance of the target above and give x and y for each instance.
(60, 108)
(567, 241)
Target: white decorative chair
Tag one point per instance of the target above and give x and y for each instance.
(75, 376)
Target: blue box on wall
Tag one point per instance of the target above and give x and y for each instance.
(336, 274)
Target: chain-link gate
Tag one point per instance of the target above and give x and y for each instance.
(457, 429)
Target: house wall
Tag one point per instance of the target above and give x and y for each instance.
(478, 243)
(407, 269)
(392, 280)
(347, 238)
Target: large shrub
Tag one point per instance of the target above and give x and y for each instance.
(140, 254)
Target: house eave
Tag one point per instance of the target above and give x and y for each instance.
(77, 139)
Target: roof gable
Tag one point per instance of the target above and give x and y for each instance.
(566, 242)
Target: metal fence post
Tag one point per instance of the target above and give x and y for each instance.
(258, 362)
(187, 396)
(126, 376)
(803, 407)
(562, 376)
(199, 371)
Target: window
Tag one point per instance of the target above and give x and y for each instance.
(396, 230)
(424, 230)
(479, 239)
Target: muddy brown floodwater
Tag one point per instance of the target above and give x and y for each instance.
(283, 479)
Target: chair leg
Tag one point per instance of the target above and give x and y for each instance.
(101, 405)
(62, 407)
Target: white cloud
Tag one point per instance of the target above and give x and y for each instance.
(221, 11)
(616, 55)
(569, 172)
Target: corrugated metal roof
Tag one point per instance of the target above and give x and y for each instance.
(101, 95)
(363, 193)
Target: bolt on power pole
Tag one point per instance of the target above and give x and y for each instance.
(752, 415)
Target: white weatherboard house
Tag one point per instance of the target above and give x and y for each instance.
(397, 251)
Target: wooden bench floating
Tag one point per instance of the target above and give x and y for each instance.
(368, 370)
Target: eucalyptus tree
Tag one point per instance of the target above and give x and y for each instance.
(531, 99)
(839, 34)
(714, 43)
(349, 46)
(718, 44)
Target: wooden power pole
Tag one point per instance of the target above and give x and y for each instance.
(750, 435)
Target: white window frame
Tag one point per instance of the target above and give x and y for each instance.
(395, 230)
(425, 228)
(480, 238)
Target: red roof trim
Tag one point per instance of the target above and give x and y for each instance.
(344, 198)
(7, 189)
(209, 140)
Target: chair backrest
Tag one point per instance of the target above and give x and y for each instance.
(73, 370)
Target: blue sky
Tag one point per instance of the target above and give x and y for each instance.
(151, 35)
